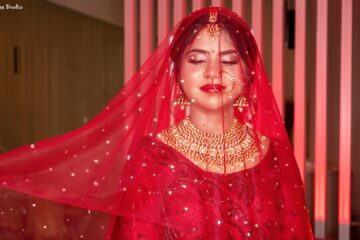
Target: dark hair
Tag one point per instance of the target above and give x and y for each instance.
(227, 20)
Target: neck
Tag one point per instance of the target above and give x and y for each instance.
(214, 122)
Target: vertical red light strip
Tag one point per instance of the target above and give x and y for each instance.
(163, 20)
(278, 53)
(145, 29)
(300, 86)
(130, 39)
(238, 7)
(197, 4)
(320, 117)
(257, 23)
(179, 10)
(218, 3)
(345, 120)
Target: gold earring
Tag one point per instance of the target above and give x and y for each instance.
(182, 101)
(241, 103)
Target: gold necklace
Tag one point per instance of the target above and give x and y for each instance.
(237, 147)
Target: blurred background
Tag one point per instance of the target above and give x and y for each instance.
(61, 61)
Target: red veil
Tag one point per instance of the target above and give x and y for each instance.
(114, 179)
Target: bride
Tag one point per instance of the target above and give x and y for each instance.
(193, 147)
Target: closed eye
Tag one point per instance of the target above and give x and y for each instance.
(193, 61)
(229, 63)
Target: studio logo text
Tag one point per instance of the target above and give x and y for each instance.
(10, 7)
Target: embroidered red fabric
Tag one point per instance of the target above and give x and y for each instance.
(114, 179)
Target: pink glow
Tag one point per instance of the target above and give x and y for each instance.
(145, 29)
(320, 117)
(218, 3)
(299, 85)
(257, 23)
(163, 19)
(238, 6)
(198, 4)
(130, 39)
(179, 10)
(278, 53)
(345, 119)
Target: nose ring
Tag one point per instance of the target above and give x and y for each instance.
(231, 76)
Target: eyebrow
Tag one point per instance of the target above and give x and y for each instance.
(206, 52)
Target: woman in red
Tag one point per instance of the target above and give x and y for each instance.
(193, 147)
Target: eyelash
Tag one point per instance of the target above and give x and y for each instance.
(229, 63)
(196, 61)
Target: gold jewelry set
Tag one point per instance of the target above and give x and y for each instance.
(237, 147)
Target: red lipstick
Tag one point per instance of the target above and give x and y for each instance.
(212, 88)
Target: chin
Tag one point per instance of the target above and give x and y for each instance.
(216, 106)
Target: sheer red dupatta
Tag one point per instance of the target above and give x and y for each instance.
(98, 182)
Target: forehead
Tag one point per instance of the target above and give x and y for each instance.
(219, 43)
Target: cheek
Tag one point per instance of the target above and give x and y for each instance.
(186, 82)
(190, 77)
(236, 71)
(238, 89)
(189, 88)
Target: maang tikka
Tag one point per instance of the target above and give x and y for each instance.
(212, 27)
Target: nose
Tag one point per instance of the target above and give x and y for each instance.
(212, 70)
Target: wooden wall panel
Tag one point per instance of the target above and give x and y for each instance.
(70, 67)
(23, 31)
(84, 65)
(3, 97)
(355, 116)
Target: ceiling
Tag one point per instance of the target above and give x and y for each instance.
(110, 11)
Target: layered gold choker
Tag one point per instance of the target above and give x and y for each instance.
(237, 147)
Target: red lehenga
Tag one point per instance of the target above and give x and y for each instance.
(261, 203)
(114, 178)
